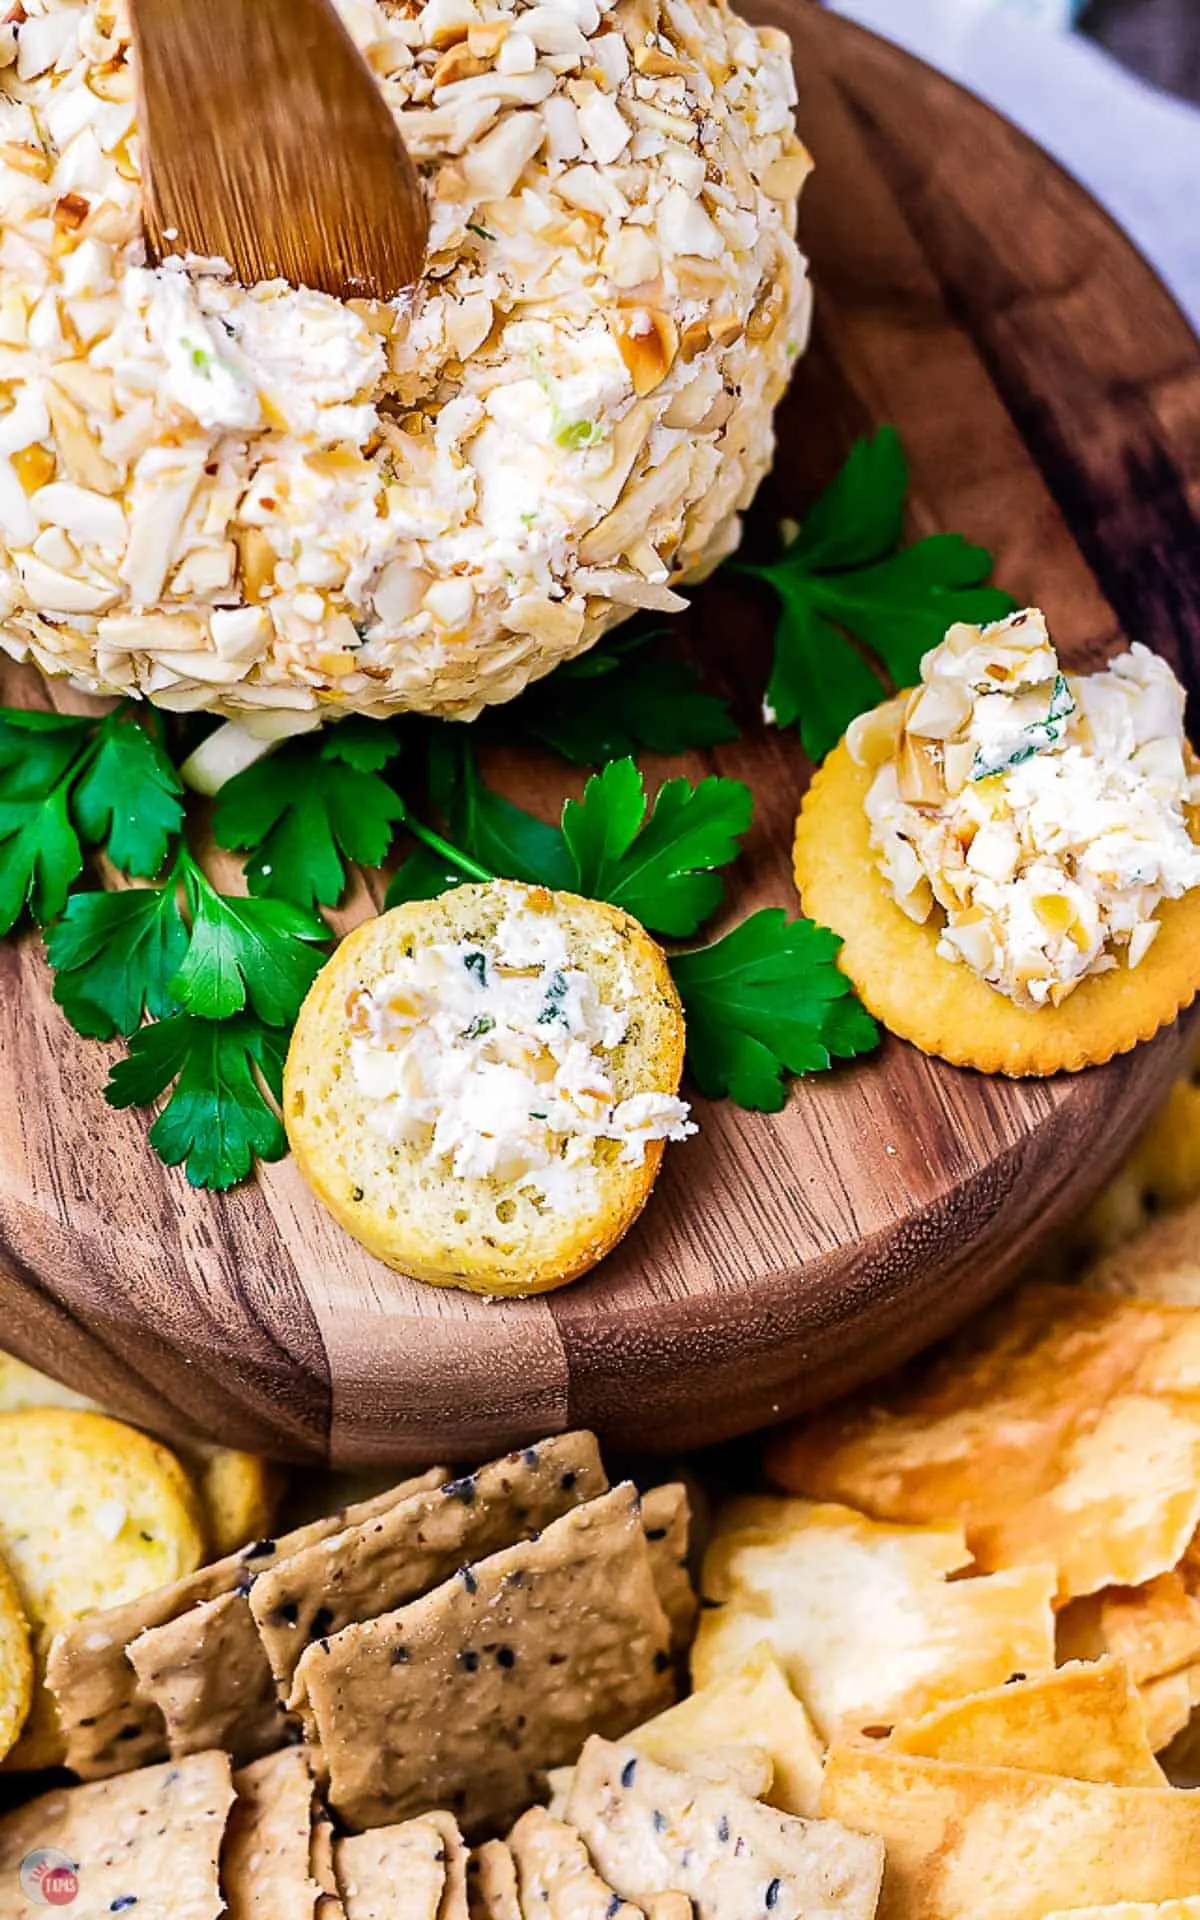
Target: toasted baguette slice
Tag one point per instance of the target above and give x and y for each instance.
(410, 1208)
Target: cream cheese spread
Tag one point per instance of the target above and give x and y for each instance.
(268, 502)
(491, 1059)
(1043, 817)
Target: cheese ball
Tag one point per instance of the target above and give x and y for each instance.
(284, 507)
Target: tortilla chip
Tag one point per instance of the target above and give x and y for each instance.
(395, 1873)
(650, 1830)
(1168, 1704)
(1163, 1263)
(1186, 1909)
(513, 1661)
(1083, 1721)
(265, 1862)
(148, 1842)
(557, 1881)
(666, 1519)
(108, 1723)
(997, 1844)
(749, 1705)
(1154, 1629)
(862, 1616)
(1063, 1427)
(940, 1005)
(390, 1559)
(492, 1882)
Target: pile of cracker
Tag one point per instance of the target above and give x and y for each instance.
(421, 1667)
(985, 1590)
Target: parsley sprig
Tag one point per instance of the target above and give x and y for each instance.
(857, 610)
(204, 985)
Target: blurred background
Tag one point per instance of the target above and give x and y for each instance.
(1110, 87)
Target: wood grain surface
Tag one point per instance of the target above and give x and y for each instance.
(1049, 396)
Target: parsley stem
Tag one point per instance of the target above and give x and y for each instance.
(454, 855)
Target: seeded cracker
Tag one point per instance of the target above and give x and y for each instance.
(650, 1830)
(666, 1518)
(207, 1675)
(389, 1560)
(463, 1697)
(265, 1862)
(395, 1873)
(997, 1844)
(557, 1880)
(944, 1008)
(454, 1859)
(110, 1725)
(669, 1906)
(148, 1842)
(492, 1883)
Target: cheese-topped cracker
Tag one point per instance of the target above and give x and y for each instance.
(863, 1616)
(393, 1873)
(108, 1723)
(145, 1845)
(748, 1706)
(387, 1561)
(492, 1892)
(556, 1879)
(997, 1844)
(1084, 1721)
(666, 1519)
(943, 1007)
(16, 1663)
(464, 1696)
(266, 1871)
(1063, 1427)
(650, 1830)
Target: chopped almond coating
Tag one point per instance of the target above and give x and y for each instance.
(273, 503)
(1043, 817)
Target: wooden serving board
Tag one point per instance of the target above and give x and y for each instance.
(1049, 396)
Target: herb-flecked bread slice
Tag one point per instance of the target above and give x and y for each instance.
(651, 1830)
(398, 1165)
(464, 1697)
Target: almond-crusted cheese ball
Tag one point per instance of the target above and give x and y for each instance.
(267, 502)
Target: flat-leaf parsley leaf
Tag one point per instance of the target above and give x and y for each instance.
(218, 1118)
(855, 615)
(766, 1000)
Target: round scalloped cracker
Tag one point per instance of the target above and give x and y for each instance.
(940, 1005)
(16, 1663)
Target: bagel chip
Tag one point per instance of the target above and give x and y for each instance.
(16, 1663)
(1083, 1721)
(941, 1005)
(747, 1706)
(998, 1844)
(1168, 1704)
(93, 1513)
(1064, 1427)
(864, 1617)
